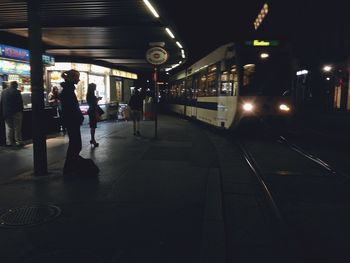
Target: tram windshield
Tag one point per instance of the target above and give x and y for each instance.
(266, 71)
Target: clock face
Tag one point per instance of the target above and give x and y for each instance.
(157, 55)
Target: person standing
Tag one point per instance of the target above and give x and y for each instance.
(72, 119)
(53, 98)
(92, 101)
(54, 101)
(11, 105)
(136, 104)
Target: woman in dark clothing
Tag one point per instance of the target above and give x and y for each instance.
(72, 119)
(136, 105)
(92, 100)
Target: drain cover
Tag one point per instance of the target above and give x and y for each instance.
(29, 215)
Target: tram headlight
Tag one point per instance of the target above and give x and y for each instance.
(284, 107)
(248, 106)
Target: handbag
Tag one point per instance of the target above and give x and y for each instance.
(99, 113)
(99, 110)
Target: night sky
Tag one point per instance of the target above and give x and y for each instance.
(317, 29)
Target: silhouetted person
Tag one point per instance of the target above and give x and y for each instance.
(92, 101)
(72, 119)
(136, 104)
(11, 105)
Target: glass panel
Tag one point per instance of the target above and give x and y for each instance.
(211, 81)
(100, 86)
(189, 89)
(118, 86)
(234, 80)
(202, 85)
(81, 88)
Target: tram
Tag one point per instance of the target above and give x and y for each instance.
(251, 79)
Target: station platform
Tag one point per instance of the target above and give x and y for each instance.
(155, 200)
(186, 196)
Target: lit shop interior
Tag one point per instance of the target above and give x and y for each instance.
(114, 86)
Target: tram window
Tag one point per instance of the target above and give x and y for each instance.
(249, 83)
(268, 75)
(226, 85)
(173, 91)
(189, 90)
(202, 85)
(211, 80)
(195, 86)
(234, 79)
(181, 89)
(248, 74)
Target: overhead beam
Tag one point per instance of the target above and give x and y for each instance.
(106, 23)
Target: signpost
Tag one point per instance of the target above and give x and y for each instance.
(156, 56)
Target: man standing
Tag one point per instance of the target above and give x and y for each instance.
(136, 105)
(11, 107)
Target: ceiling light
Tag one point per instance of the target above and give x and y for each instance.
(178, 44)
(169, 32)
(183, 53)
(151, 8)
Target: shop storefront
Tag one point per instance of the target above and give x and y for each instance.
(14, 66)
(111, 84)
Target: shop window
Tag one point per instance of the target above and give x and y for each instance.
(100, 86)
(118, 87)
(81, 88)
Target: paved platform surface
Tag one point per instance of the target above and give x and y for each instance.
(150, 203)
(154, 200)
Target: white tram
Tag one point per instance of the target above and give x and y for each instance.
(236, 81)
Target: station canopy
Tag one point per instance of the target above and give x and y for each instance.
(112, 33)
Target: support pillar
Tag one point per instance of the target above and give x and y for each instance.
(36, 75)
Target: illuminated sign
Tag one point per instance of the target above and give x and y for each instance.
(14, 53)
(22, 54)
(262, 43)
(123, 74)
(48, 60)
(11, 67)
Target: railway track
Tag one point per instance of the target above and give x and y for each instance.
(308, 198)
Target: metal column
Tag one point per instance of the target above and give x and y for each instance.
(36, 75)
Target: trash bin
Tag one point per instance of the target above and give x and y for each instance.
(148, 109)
(112, 111)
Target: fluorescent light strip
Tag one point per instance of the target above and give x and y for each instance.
(183, 53)
(178, 43)
(151, 8)
(169, 32)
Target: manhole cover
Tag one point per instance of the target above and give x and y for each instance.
(29, 215)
